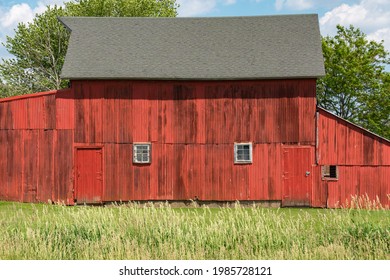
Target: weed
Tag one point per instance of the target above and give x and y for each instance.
(148, 232)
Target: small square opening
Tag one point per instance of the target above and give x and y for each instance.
(330, 172)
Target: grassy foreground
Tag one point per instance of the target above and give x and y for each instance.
(39, 231)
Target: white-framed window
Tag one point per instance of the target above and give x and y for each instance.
(242, 153)
(142, 152)
(330, 172)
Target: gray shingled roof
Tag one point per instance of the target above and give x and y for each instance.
(257, 47)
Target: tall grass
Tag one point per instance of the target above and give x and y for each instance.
(140, 232)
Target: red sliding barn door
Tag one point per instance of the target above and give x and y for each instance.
(297, 177)
(89, 175)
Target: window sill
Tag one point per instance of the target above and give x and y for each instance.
(329, 179)
(243, 162)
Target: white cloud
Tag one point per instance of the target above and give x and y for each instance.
(23, 12)
(17, 13)
(343, 15)
(54, 2)
(371, 16)
(293, 4)
(229, 2)
(382, 34)
(11, 15)
(189, 8)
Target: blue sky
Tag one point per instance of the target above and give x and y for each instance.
(371, 16)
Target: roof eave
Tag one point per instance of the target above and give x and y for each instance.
(192, 78)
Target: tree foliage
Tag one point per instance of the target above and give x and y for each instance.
(374, 113)
(122, 8)
(356, 86)
(39, 47)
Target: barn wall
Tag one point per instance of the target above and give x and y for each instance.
(193, 171)
(30, 161)
(195, 112)
(192, 127)
(363, 161)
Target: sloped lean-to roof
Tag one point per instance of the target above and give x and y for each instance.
(258, 47)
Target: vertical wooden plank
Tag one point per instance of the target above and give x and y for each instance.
(228, 184)
(248, 111)
(170, 179)
(208, 179)
(64, 109)
(220, 163)
(125, 117)
(111, 164)
(95, 129)
(200, 113)
(30, 167)
(63, 166)
(111, 123)
(45, 165)
(124, 172)
(140, 115)
(178, 165)
(369, 150)
(81, 117)
(3, 114)
(15, 165)
(49, 111)
(238, 121)
(3, 164)
(258, 176)
(341, 141)
(384, 174)
(210, 114)
(275, 179)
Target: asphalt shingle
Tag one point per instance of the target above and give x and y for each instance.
(225, 48)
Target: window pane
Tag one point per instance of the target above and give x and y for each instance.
(141, 153)
(243, 153)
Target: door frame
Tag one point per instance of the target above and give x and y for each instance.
(77, 147)
(312, 174)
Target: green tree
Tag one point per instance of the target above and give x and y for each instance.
(4, 90)
(39, 47)
(354, 86)
(122, 8)
(375, 111)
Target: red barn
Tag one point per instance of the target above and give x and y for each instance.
(181, 109)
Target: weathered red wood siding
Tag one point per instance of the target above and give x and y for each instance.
(33, 152)
(181, 172)
(192, 127)
(195, 112)
(363, 160)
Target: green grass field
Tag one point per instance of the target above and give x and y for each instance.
(38, 231)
